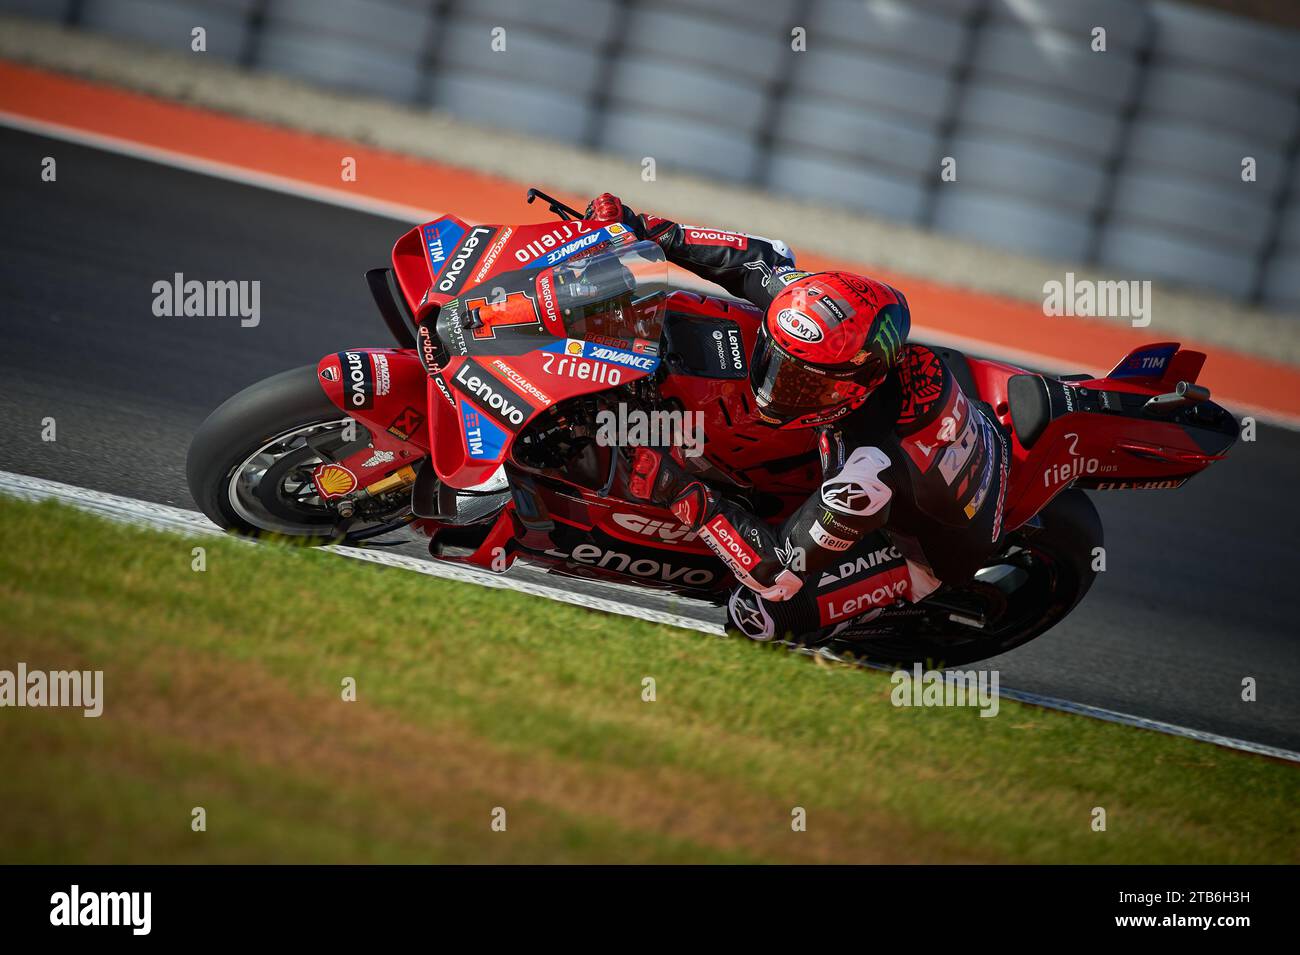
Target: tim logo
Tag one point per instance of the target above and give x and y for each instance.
(473, 434)
(1146, 363)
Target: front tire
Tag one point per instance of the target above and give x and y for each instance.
(250, 462)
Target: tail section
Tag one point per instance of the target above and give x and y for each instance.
(1145, 425)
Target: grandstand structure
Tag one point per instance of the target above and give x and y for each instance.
(1147, 138)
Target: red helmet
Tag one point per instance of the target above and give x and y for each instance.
(826, 342)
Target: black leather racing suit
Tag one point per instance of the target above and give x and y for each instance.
(913, 485)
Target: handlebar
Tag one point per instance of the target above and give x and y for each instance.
(556, 206)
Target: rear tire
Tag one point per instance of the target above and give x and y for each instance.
(1055, 561)
(224, 452)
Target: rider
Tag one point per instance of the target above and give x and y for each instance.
(914, 470)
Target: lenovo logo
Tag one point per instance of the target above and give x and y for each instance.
(465, 255)
(492, 395)
(715, 237)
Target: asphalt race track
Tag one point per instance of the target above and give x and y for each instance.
(1198, 589)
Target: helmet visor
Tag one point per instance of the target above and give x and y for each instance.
(787, 389)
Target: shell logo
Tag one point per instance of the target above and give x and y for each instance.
(574, 347)
(334, 480)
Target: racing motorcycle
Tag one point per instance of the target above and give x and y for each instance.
(481, 430)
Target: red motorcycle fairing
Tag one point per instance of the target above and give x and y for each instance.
(612, 537)
(1093, 433)
(525, 317)
(384, 389)
(436, 261)
(589, 549)
(606, 539)
(644, 525)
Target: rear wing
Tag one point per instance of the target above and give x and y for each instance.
(1158, 365)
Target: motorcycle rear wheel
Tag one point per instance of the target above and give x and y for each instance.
(1034, 583)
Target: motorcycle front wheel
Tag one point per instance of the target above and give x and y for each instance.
(249, 465)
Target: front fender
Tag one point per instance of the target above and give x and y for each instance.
(385, 389)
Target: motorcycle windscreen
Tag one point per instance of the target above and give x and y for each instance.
(534, 338)
(442, 259)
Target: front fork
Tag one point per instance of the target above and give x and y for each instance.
(399, 480)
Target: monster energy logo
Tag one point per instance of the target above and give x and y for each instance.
(887, 339)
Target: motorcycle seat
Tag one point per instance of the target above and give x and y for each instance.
(1031, 407)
